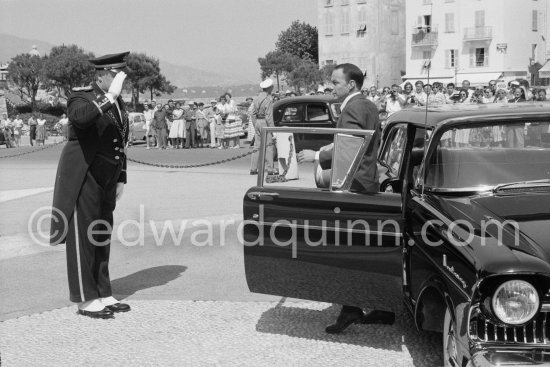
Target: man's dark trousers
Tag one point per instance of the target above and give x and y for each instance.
(191, 131)
(88, 252)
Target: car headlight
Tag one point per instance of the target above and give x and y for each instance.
(515, 302)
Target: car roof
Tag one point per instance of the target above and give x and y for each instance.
(438, 115)
(306, 99)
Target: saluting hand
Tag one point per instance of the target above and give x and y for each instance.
(116, 85)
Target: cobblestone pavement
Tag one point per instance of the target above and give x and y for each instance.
(212, 333)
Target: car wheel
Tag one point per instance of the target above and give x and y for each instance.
(450, 354)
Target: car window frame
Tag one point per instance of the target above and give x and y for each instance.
(306, 117)
(388, 143)
(300, 107)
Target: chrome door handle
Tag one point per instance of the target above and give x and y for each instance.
(256, 195)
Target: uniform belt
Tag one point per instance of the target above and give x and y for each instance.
(260, 117)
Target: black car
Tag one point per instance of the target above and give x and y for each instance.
(308, 111)
(459, 232)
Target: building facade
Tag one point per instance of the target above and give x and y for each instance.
(475, 40)
(367, 33)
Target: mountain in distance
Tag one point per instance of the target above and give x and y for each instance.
(178, 75)
(13, 46)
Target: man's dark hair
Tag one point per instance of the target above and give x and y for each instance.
(451, 85)
(352, 72)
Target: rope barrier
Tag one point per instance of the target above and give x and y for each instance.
(197, 165)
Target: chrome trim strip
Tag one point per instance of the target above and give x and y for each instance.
(320, 228)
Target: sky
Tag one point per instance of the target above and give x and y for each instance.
(224, 36)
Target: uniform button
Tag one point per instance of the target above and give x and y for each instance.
(117, 148)
(117, 157)
(115, 140)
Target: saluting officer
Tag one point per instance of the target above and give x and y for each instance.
(90, 179)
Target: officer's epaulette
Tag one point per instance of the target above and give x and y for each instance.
(87, 88)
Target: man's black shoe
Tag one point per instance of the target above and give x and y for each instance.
(103, 314)
(119, 307)
(344, 320)
(379, 317)
(254, 172)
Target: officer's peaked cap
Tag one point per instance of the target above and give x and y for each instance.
(112, 61)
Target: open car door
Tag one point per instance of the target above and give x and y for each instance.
(329, 245)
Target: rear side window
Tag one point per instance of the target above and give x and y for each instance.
(292, 113)
(317, 112)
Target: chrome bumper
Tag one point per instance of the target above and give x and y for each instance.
(511, 358)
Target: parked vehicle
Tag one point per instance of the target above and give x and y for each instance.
(137, 127)
(459, 232)
(308, 111)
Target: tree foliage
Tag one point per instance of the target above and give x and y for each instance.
(68, 67)
(25, 71)
(145, 75)
(326, 72)
(305, 74)
(301, 40)
(276, 63)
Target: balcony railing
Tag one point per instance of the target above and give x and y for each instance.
(425, 36)
(478, 33)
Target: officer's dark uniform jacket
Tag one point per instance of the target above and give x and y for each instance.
(95, 128)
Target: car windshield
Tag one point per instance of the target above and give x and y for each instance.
(490, 155)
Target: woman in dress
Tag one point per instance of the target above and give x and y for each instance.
(176, 130)
(202, 125)
(17, 130)
(233, 125)
(40, 130)
(220, 130)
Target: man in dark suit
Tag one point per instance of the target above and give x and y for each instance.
(90, 179)
(357, 113)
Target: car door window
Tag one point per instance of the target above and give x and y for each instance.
(392, 156)
(292, 113)
(317, 112)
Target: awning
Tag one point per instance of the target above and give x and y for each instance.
(544, 72)
(477, 79)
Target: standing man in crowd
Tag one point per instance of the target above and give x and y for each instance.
(90, 179)
(190, 126)
(262, 116)
(160, 126)
(357, 113)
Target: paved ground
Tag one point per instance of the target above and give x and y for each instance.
(191, 304)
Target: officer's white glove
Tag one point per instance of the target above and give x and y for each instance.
(119, 190)
(116, 84)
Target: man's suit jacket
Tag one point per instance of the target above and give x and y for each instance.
(95, 127)
(360, 113)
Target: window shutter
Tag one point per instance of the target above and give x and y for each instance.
(456, 59)
(485, 57)
(448, 58)
(472, 57)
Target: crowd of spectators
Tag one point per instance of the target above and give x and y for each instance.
(177, 125)
(395, 98)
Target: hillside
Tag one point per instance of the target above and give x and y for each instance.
(179, 75)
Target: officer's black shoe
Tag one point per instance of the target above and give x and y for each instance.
(103, 314)
(118, 307)
(254, 172)
(379, 317)
(344, 320)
